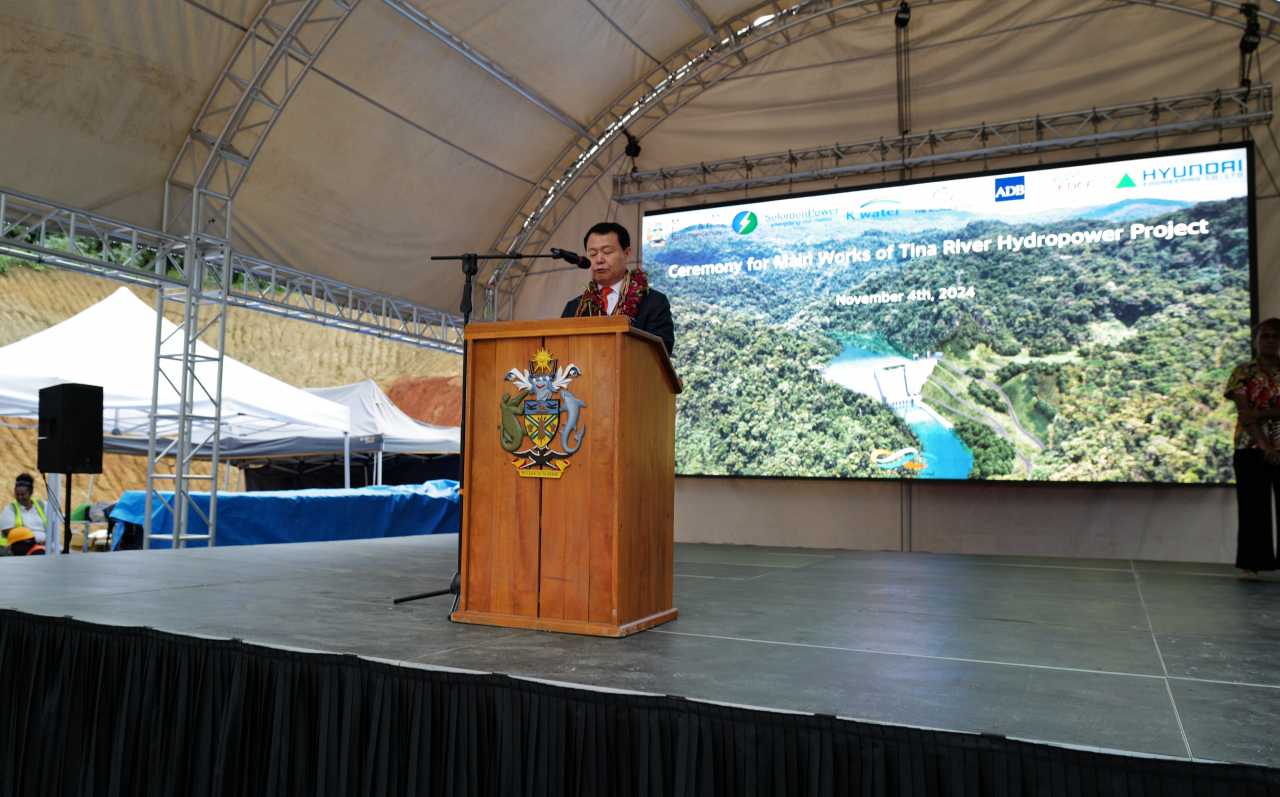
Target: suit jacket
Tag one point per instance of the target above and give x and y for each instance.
(653, 316)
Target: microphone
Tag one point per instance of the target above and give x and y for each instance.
(577, 260)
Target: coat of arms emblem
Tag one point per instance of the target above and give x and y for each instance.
(535, 412)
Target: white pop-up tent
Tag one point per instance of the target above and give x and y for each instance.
(377, 426)
(112, 344)
(373, 414)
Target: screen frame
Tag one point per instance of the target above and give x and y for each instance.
(1251, 212)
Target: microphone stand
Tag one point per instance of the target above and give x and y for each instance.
(470, 267)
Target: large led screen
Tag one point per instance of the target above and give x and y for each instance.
(1074, 323)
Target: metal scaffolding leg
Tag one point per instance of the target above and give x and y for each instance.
(196, 377)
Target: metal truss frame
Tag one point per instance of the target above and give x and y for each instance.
(48, 233)
(1150, 119)
(247, 99)
(1224, 12)
(201, 273)
(264, 71)
(747, 37)
(700, 18)
(744, 38)
(290, 293)
(198, 375)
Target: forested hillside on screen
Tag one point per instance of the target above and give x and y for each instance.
(1099, 362)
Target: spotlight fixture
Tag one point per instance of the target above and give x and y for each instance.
(903, 16)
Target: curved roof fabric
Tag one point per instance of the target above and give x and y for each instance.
(397, 147)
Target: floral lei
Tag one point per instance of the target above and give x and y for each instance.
(632, 290)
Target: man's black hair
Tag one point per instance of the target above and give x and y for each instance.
(606, 227)
(24, 480)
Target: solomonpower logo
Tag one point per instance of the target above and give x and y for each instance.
(745, 222)
(1010, 188)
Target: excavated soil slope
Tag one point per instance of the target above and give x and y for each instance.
(424, 383)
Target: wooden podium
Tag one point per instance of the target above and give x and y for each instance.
(580, 542)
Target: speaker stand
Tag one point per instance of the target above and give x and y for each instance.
(66, 516)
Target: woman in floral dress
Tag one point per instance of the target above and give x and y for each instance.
(1255, 388)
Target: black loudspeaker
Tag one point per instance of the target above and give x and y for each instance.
(70, 429)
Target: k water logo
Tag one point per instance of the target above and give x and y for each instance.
(1010, 188)
(745, 222)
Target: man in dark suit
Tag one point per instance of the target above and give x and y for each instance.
(615, 291)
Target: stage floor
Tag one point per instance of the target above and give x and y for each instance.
(1160, 658)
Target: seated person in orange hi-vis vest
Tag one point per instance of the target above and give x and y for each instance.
(613, 290)
(22, 542)
(24, 511)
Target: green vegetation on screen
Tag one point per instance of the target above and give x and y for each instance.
(1102, 362)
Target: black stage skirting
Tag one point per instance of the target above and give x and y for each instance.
(91, 709)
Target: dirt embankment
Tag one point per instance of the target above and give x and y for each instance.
(424, 383)
(431, 399)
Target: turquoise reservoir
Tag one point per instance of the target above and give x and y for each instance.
(941, 448)
(946, 454)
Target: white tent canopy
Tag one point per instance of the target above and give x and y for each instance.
(112, 344)
(373, 415)
(377, 426)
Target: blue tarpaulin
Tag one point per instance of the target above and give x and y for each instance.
(308, 515)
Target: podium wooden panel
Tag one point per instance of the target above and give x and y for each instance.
(590, 551)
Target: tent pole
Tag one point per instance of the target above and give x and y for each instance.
(346, 460)
(89, 500)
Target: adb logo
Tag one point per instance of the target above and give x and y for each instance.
(745, 222)
(1010, 188)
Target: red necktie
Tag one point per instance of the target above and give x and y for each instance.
(604, 294)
